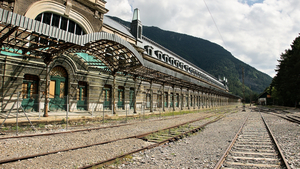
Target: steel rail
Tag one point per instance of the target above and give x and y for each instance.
(282, 158)
(285, 117)
(74, 131)
(81, 130)
(100, 143)
(151, 146)
(220, 162)
(276, 143)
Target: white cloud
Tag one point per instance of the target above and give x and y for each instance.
(254, 31)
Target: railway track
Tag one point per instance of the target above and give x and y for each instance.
(159, 138)
(282, 114)
(253, 147)
(194, 129)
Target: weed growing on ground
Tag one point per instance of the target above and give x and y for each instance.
(41, 125)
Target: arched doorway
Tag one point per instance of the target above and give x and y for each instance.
(58, 89)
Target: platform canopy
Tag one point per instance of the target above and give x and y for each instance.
(25, 37)
(30, 38)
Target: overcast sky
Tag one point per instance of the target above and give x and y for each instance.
(254, 31)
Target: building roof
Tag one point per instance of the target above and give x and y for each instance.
(112, 23)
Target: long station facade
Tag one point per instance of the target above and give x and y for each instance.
(56, 53)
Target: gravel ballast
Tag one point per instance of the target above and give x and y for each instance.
(202, 150)
(287, 135)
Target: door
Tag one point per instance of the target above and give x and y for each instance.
(30, 93)
(58, 89)
(82, 96)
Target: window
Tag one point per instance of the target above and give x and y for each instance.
(107, 97)
(180, 65)
(176, 63)
(165, 57)
(60, 22)
(120, 97)
(166, 99)
(148, 95)
(158, 54)
(150, 52)
(186, 67)
(148, 49)
(172, 100)
(131, 97)
(159, 99)
(177, 100)
(187, 100)
(171, 60)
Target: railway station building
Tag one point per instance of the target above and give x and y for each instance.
(67, 55)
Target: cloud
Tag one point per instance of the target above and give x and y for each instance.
(254, 31)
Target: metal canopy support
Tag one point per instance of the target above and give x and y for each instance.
(31, 38)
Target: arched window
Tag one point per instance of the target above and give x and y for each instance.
(60, 22)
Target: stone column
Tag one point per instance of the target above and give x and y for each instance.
(181, 99)
(189, 99)
(163, 97)
(46, 89)
(114, 94)
(151, 97)
(174, 97)
(135, 94)
(206, 100)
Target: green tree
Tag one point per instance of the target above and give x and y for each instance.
(287, 81)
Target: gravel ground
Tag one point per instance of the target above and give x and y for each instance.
(12, 148)
(81, 157)
(202, 150)
(287, 135)
(18, 147)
